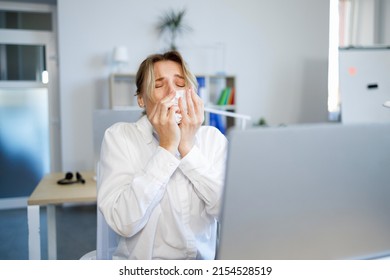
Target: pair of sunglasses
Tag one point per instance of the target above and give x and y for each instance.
(68, 180)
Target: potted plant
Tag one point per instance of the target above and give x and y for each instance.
(172, 23)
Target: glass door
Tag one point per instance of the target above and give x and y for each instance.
(24, 140)
(29, 103)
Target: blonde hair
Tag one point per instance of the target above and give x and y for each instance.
(145, 78)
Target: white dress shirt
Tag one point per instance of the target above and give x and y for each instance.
(163, 206)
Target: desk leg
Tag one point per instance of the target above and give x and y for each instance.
(51, 232)
(34, 235)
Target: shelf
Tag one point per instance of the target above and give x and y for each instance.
(222, 107)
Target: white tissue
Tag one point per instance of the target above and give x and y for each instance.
(179, 93)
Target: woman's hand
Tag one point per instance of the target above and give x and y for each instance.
(163, 121)
(191, 121)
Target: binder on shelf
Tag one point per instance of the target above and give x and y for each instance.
(202, 90)
(217, 121)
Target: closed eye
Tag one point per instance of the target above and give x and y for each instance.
(180, 81)
(159, 82)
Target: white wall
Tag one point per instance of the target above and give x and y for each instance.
(277, 50)
(384, 36)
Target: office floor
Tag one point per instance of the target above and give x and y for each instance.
(76, 232)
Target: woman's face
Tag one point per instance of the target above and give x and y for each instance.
(168, 78)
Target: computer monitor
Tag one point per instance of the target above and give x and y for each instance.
(307, 192)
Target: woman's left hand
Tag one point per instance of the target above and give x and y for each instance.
(192, 119)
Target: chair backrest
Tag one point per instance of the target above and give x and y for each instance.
(103, 119)
(106, 238)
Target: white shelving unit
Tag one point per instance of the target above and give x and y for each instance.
(123, 90)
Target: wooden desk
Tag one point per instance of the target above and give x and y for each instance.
(48, 193)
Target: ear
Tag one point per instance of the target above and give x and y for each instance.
(140, 100)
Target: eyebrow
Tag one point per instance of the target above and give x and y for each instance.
(176, 76)
(179, 76)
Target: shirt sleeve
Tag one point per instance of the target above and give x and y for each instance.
(130, 186)
(205, 168)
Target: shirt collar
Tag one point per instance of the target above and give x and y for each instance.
(146, 128)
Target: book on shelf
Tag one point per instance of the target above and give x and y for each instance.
(227, 96)
(231, 96)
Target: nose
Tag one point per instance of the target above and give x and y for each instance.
(171, 88)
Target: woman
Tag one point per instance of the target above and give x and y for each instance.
(161, 181)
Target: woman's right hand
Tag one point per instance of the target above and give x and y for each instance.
(163, 121)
